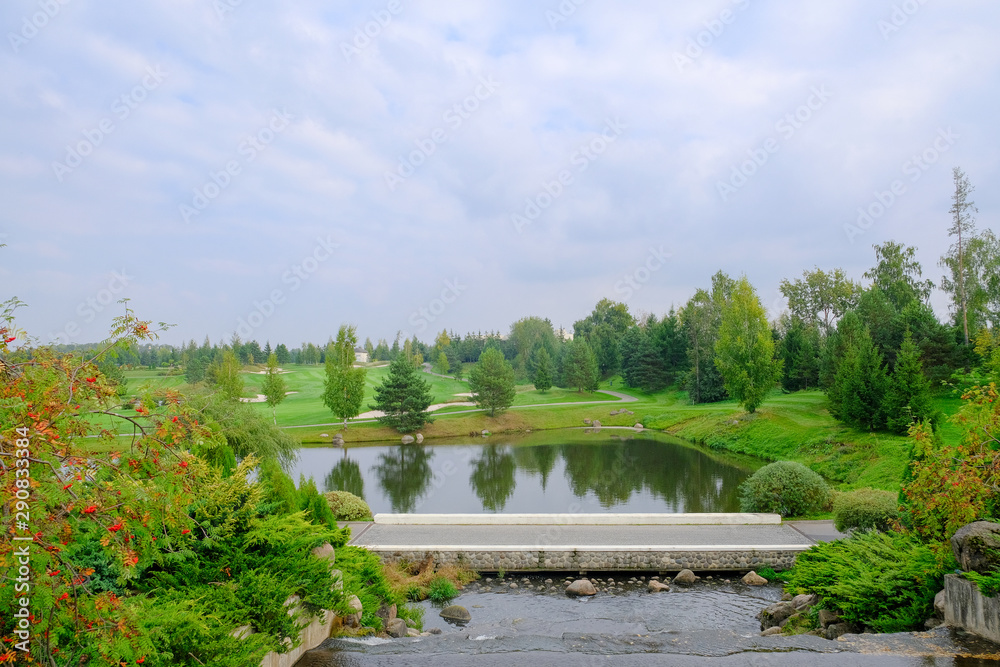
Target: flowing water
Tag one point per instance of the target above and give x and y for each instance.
(565, 471)
(710, 623)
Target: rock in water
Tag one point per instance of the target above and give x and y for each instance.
(977, 546)
(773, 615)
(581, 587)
(456, 613)
(751, 578)
(408, 439)
(657, 587)
(420, 438)
(685, 577)
(939, 603)
(771, 631)
(396, 628)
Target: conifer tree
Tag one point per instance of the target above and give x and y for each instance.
(543, 370)
(908, 399)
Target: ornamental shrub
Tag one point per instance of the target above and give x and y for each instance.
(786, 488)
(865, 509)
(883, 581)
(348, 507)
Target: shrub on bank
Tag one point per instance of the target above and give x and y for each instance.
(882, 581)
(786, 488)
(348, 507)
(865, 509)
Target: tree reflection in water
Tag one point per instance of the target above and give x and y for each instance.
(346, 476)
(404, 473)
(492, 477)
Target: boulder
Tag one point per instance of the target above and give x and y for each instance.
(325, 551)
(408, 439)
(657, 587)
(581, 587)
(597, 423)
(412, 632)
(456, 614)
(827, 617)
(587, 422)
(775, 630)
(419, 438)
(804, 601)
(977, 546)
(353, 620)
(685, 577)
(939, 603)
(638, 426)
(434, 631)
(751, 578)
(396, 628)
(774, 615)
(836, 630)
(387, 613)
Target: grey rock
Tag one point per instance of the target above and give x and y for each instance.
(751, 578)
(456, 613)
(657, 587)
(932, 623)
(587, 422)
(775, 614)
(685, 577)
(408, 439)
(827, 617)
(775, 630)
(419, 437)
(513, 586)
(805, 601)
(387, 613)
(973, 544)
(353, 620)
(581, 587)
(325, 551)
(836, 630)
(396, 628)
(597, 424)
(939, 602)
(638, 426)
(434, 631)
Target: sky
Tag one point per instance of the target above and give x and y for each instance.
(279, 169)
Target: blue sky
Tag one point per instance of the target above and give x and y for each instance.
(282, 168)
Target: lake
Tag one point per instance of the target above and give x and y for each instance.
(565, 471)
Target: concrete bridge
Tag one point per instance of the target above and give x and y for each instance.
(587, 542)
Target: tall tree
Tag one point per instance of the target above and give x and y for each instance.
(281, 351)
(700, 319)
(274, 386)
(963, 228)
(744, 350)
(344, 388)
(543, 370)
(908, 399)
(442, 365)
(859, 379)
(403, 397)
(602, 330)
(820, 296)
(527, 336)
(899, 275)
(224, 373)
(492, 381)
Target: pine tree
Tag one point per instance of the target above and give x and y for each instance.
(580, 367)
(543, 370)
(859, 382)
(492, 381)
(403, 397)
(908, 399)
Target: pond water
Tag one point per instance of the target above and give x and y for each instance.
(567, 471)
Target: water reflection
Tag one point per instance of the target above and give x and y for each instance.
(539, 473)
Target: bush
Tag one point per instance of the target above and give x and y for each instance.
(348, 507)
(442, 590)
(884, 581)
(786, 488)
(866, 509)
